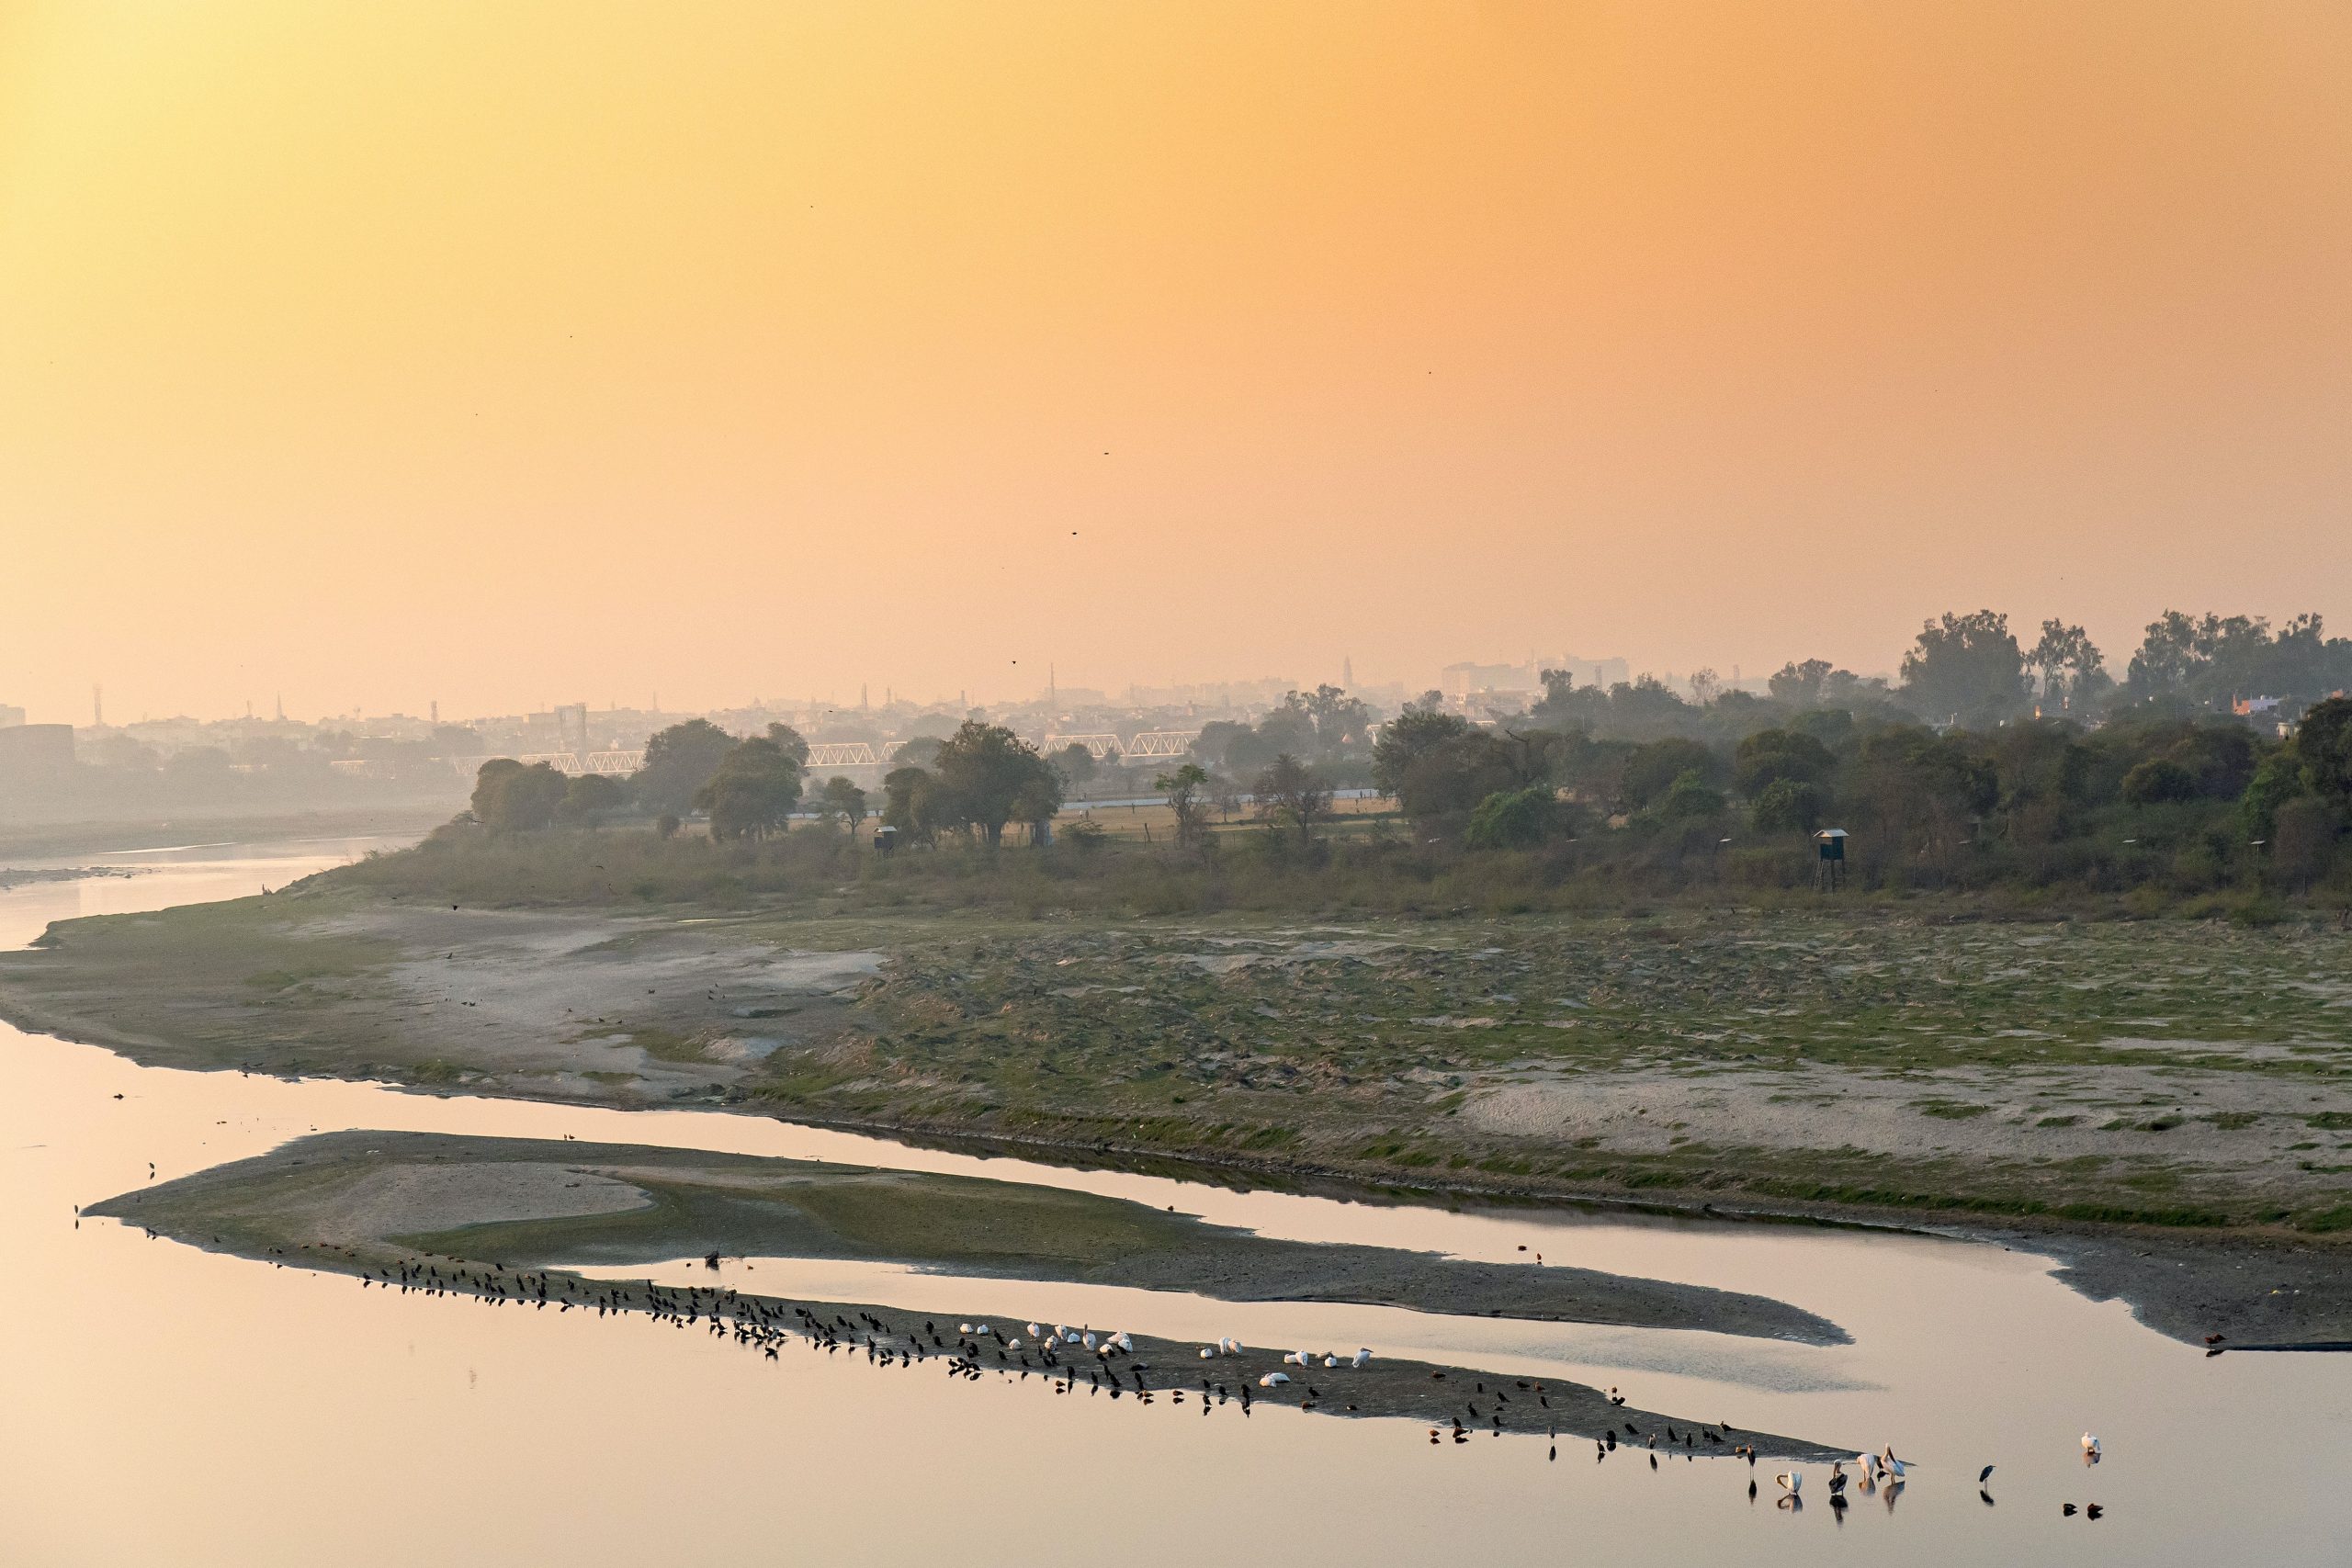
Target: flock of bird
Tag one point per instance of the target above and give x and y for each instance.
(1884, 1470)
(1057, 1353)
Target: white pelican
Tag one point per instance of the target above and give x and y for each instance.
(1362, 1356)
(1034, 1332)
(1892, 1465)
(1013, 1343)
(2090, 1446)
(1087, 1339)
(1330, 1361)
(1790, 1479)
(1124, 1343)
(1273, 1380)
(963, 1328)
(1207, 1352)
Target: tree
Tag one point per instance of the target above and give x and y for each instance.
(2303, 842)
(1518, 818)
(1800, 686)
(1691, 798)
(1187, 793)
(1077, 765)
(511, 798)
(1706, 687)
(1565, 705)
(1291, 790)
(1965, 669)
(1786, 806)
(2159, 781)
(845, 801)
(2071, 670)
(679, 761)
(788, 741)
(989, 775)
(1770, 755)
(1410, 736)
(913, 803)
(2324, 745)
(1651, 770)
(2278, 780)
(591, 797)
(752, 792)
(1338, 722)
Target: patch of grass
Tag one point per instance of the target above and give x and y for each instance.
(2058, 1121)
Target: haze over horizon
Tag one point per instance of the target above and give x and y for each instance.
(505, 355)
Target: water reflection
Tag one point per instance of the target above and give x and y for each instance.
(168, 1405)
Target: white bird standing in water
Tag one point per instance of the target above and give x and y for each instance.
(1790, 1479)
(2090, 1446)
(1892, 1465)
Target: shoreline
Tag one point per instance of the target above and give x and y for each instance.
(870, 1027)
(2183, 1284)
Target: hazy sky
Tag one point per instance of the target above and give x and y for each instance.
(505, 354)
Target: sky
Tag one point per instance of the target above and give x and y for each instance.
(503, 355)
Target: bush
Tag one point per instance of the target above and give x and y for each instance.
(1514, 820)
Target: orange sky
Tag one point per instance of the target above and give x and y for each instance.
(506, 353)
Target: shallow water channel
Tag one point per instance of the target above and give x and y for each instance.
(159, 1404)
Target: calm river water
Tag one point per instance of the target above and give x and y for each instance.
(161, 1405)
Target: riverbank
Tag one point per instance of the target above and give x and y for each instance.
(2167, 1105)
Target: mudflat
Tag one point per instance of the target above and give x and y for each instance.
(503, 1217)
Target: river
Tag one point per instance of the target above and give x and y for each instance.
(160, 1404)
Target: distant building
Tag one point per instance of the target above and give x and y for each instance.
(27, 749)
(10, 718)
(1470, 679)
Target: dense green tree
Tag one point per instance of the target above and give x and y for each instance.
(1965, 669)
(2303, 842)
(2324, 746)
(1652, 769)
(1077, 765)
(788, 741)
(591, 797)
(1769, 755)
(1518, 819)
(512, 798)
(1691, 798)
(679, 761)
(2278, 780)
(752, 792)
(1410, 736)
(843, 802)
(990, 775)
(913, 803)
(2159, 781)
(1786, 806)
